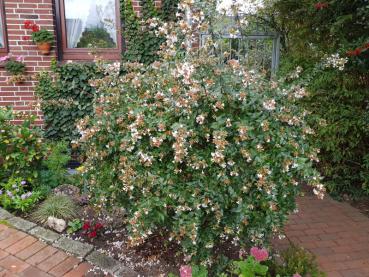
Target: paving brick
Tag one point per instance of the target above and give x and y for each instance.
(13, 264)
(333, 274)
(65, 266)
(33, 272)
(11, 239)
(52, 261)
(31, 250)
(41, 255)
(3, 254)
(79, 271)
(335, 232)
(20, 245)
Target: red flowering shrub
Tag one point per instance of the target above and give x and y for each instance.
(321, 5)
(92, 230)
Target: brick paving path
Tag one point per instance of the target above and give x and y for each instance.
(24, 255)
(335, 232)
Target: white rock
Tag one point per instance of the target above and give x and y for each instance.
(56, 224)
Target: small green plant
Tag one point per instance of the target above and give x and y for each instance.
(15, 67)
(249, 268)
(297, 260)
(16, 195)
(54, 171)
(42, 36)
(58, 206)
(74, 226)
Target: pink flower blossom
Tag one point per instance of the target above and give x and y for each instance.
(19, 59)
(296, 275)
(260, 254)
(185, 271)
(3, 59)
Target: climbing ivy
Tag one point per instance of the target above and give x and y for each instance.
(66, 97)
(142, 43)
(169, 10)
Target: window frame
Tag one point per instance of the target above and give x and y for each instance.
(83, 54)
(4, 50)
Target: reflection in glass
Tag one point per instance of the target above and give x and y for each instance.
(91, 23)
(2, 44)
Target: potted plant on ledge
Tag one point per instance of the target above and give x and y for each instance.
(15, 67)
(41, 37)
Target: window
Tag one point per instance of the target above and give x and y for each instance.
(90, 26)
(3, 40)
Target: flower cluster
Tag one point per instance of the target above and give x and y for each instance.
(92, 230)
(29, 25)
(9, 57)
(260, 254)
(321, 5)
(201, 150)
(16, 194)
(335, 61)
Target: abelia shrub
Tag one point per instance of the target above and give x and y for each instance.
(197, 149)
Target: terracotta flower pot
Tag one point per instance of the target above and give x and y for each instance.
(44, 47)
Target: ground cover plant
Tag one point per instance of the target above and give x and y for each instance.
(196, 149)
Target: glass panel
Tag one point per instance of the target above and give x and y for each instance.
(91, 23)
(2, 44)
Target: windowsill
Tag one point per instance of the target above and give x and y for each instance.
(82, 55)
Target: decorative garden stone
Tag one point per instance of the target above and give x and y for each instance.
(56, 224)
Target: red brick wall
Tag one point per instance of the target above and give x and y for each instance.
(21, 96)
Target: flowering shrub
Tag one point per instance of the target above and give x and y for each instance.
(203, 151)
(337, 33)
(21, 148)
(16, 194)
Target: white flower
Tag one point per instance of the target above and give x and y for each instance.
(335, 61)
(269, 105)
(200, 119)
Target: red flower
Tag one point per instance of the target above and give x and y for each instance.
(98, 226)
(321, 5)
(28, 24)
(92, 235)
(353, 53)
(35, 28)
(25, 37)
(86, 226)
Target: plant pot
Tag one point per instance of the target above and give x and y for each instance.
(44, 47)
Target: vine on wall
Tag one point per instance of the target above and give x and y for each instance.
(142, 43)
(66, 97)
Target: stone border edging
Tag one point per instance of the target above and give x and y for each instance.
(82, 250)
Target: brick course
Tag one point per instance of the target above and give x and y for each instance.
(21, 96)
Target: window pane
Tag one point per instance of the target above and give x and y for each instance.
(2, 44)
(91, 23)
